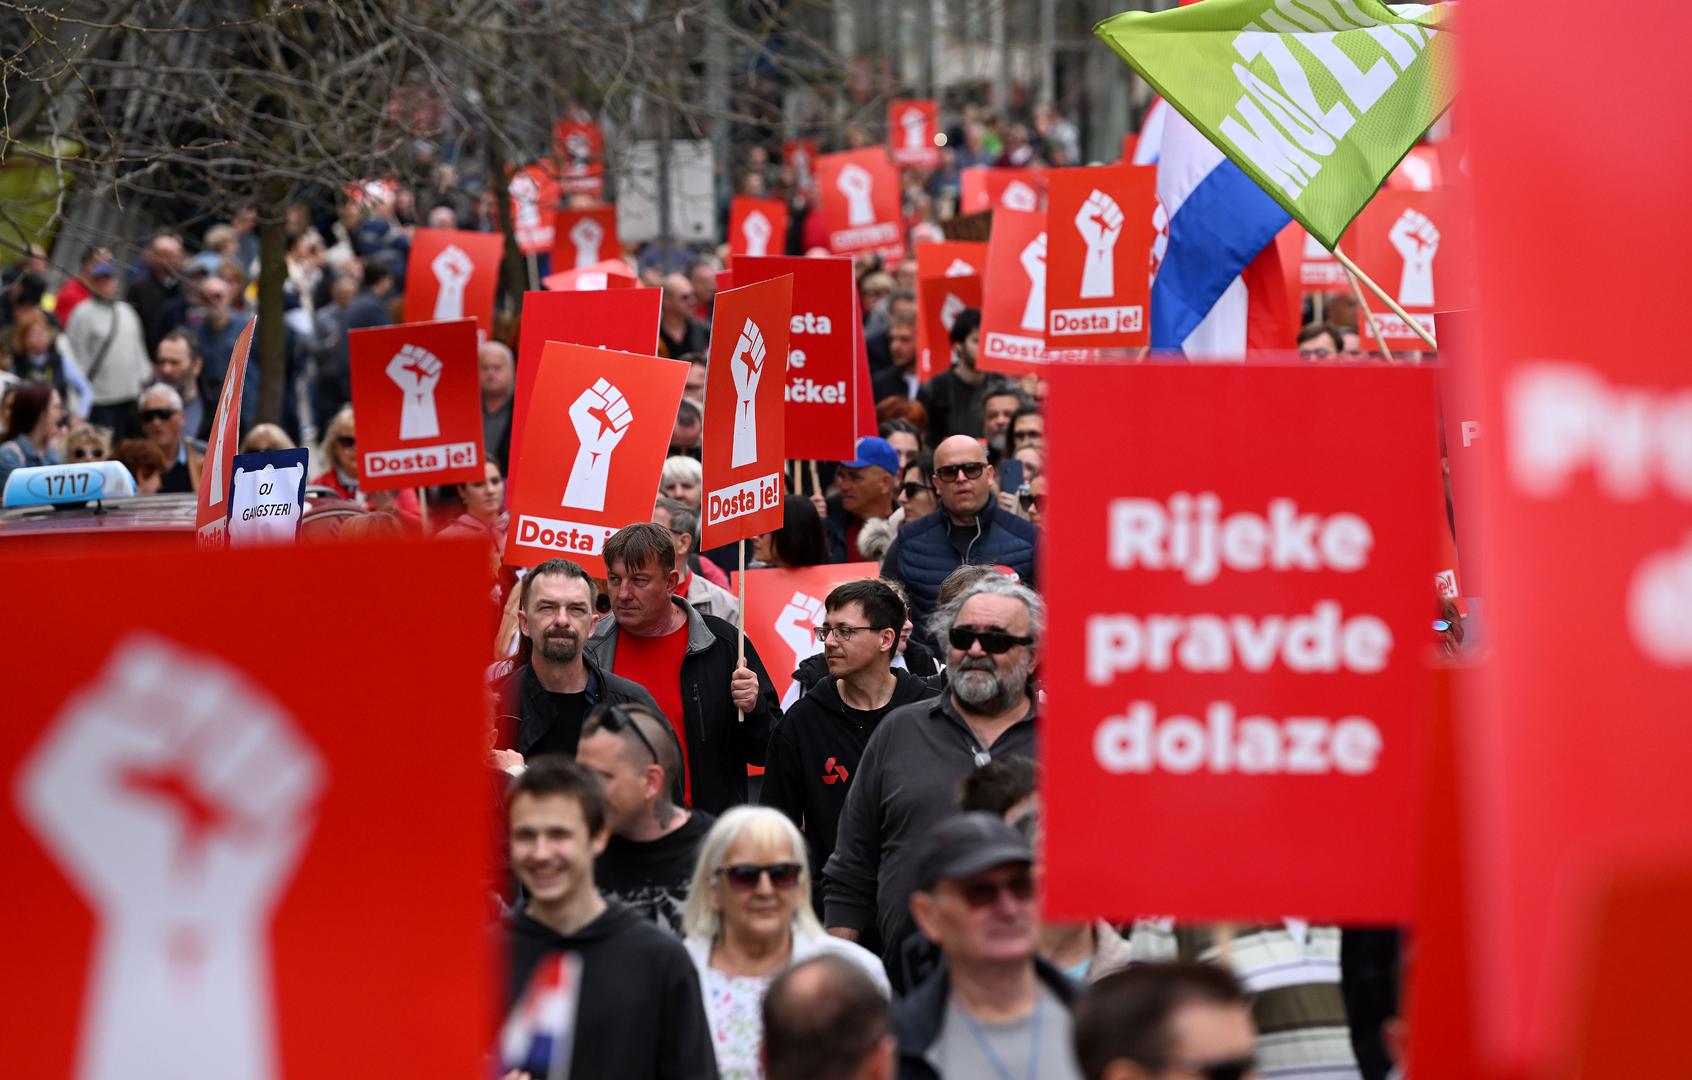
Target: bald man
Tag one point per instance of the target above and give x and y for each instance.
(679, 333)
(967, 527)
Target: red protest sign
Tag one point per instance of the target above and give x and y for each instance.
(589, 450)
(941, 299)
(800, 156)
(621, 319)
(757, 226)
(586, 235)
(912, 128)
(1237, 641)
(945, 258)
(988, 188)
(534, 206)
(783, 608)
(610, 274)
(579, 146)
(744, 444)
(859, 199)
(1013, 306)
(451, 274)
(1100, 233)
(210, 505)
(415, 388)
(1580, 752)
(190, 815)
(1399, 241)
(822, 353)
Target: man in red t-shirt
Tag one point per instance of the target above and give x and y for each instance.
(687, 662)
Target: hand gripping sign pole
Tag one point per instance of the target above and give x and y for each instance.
(1358, 275)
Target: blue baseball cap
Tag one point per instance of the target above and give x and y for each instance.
(875, 451)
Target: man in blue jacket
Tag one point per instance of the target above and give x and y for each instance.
(968, 527)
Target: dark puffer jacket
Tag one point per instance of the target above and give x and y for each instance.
(930, 548)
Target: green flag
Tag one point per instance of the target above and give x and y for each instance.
(1317, 100)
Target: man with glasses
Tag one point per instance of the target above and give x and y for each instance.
(814, 752)
(544, 696)
(161, 424)
(648, 862)
(993, 1008)
(968, 527)
(1028, 428)
(1179, 1021)
(908, 776)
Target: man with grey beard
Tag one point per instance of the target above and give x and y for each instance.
(907, 779)
(544, 701)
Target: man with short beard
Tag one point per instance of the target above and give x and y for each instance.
(544, 702)
(907, 778)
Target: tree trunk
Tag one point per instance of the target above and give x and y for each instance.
(272, 342)
(515, 272)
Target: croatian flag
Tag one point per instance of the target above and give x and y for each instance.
(537, 1035)
(1219, 222)
(1146, 151)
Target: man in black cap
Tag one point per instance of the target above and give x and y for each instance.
(993, 1008)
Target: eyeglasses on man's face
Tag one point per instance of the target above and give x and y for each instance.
(843, 632)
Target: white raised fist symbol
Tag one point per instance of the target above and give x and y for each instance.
(916, 128)
(797, 625)
(1099, 221)
(756, 229)
(1417, 239)
(527, 195)
(949, 309)
(855, 183)
(1659, 606)
(1033, 260)
(747, 366)
(177, 797)
(601, 417)
(452, 269)
(586, 235)
(416, 372)
(1019, 196)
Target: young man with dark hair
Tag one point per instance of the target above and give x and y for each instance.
(1165, 1020)
(722, 711)
(648, 863)
(825, 1020)
(954, 397)
(545, 695)
(639, 1013)
(814, 752)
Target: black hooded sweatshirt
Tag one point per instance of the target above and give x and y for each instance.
(639, 1014)
(814, 754)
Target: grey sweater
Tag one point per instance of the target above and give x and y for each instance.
(906, 782)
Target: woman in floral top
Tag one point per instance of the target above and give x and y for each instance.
(749, 918)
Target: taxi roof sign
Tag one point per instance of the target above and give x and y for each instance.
(67, 485)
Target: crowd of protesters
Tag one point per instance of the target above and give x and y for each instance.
(841, 884)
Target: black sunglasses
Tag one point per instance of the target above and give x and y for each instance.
(1229, 1069)
(616, 719)
(970, 469)
(993, 642)
(980, 894)
(346, 442)
(743, 877)
(149, 415)
(1031, 501)
(912, 489)
(86, 453)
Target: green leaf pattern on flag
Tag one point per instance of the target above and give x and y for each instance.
(1316, 100)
